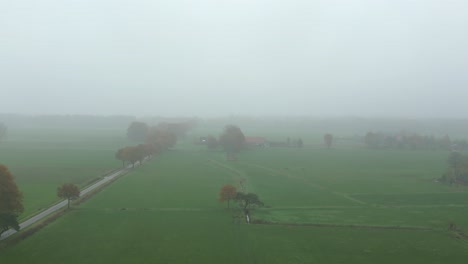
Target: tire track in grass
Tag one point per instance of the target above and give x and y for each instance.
(315, 185)
(238, 175)
(213, 165)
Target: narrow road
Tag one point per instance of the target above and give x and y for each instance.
(60, 205)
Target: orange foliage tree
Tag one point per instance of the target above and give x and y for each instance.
(68, 191)
(227, 193)
(11, 201)
(162, 138)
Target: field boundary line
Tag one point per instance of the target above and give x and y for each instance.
(154, 209)
(414, 193)
(307, 181)
(241, 175)
(318, 207)
(213, 165)
(413, 228)
(346, 196)
(238, 172)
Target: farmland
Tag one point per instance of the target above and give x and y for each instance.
(340, 205)
(42, 159)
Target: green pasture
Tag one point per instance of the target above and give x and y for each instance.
(137, 236)
(167, 211)
(42, 159)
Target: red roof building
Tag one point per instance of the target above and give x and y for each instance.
(255, 140)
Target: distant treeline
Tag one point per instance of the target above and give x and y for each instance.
(457, 171)
(154, 140)
(414, 141)
(58, 121)
(438, 127)
(85, 121)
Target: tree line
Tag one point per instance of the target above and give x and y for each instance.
(246, 201)
(457, 170)
(231, 140)
(156, 140)
(412, 141)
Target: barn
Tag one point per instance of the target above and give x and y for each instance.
(256, 141)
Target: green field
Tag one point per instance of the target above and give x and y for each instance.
(43, 159)
(167, 211)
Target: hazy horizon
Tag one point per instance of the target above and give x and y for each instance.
(361, 58)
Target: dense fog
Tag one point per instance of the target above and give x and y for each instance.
(367, 58)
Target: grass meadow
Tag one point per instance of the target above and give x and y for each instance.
(43, 159)
(167, 211)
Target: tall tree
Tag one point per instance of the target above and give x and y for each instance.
(142, 152)
(458, 168)
(11, 201)
(180, 129)
(247, 200)
(161, 137)
(68, 191)
(328, 139)
(137, 131)
(120, 155)
(154, 149)
(232, 139)
(131, 154)
(227, 193)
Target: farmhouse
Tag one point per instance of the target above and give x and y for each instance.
(256, 141)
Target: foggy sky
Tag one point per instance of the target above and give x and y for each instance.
(396, 58)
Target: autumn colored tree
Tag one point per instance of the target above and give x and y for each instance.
(161, 137)
(180, 129)
(120, 155)
(232, 140)
(328, 139)
(227, 193)
(132, 155)
(11, 201)
(143, 151)
(68, 191)
(137, 131)
(151, 149)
